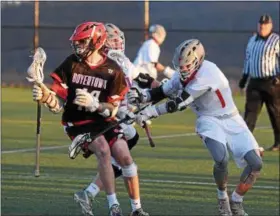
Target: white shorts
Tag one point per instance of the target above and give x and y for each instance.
(232, 132)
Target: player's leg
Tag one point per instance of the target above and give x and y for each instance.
(246, 154)
(220, 155)
(247, 179)
(100, 148)
(132, 138)
(121, 153)
(272, 101)
(253, 106)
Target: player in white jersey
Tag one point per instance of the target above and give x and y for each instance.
(206, 90)
(115, 47)
(149, 52)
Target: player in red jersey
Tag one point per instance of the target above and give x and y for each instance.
(89, 86)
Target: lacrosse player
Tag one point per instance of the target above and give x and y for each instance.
(114, 47)
(148, 54)
(206, 90)
(89, 86)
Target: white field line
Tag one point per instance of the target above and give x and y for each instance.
(142, 138)
(143, 180)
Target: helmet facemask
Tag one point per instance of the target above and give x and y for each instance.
(115, 38)
(87, 38)
(82, 47)
(188, 58)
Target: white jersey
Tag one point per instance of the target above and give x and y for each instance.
(217, 115)
(209, 88)
(148, 54)
(129, 70)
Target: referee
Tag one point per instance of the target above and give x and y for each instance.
(262, 67)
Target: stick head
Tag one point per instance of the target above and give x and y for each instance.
(35, 70)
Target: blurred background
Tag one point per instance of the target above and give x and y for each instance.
(176, 176)
(223, 27)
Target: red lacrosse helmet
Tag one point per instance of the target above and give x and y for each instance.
(87, 37)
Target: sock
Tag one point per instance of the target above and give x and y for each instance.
(135, 204)
(112, 199)
(236, 197)
(222, 194)
(93, 189)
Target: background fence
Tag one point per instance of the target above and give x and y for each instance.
(223, 27)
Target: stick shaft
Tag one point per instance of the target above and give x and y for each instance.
(147, 130)
(38, 139)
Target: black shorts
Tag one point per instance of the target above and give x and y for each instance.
(94, 128)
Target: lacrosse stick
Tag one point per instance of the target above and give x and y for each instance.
(123, 62)
(147, 130)
(35, 75)
(75, 147)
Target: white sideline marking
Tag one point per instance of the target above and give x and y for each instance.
(143, 138)
(202, 183)
(59, 147)
(142, 180)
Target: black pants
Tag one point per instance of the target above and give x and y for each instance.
(260, 91)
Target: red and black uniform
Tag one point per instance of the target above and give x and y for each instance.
(105, 81)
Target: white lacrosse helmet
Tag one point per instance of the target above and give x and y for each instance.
(158, 33)
(115, 37)
(188, 58)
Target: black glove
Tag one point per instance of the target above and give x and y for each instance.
(243, 81)
(144, 80)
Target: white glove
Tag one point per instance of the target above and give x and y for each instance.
(168, 72)
(123, 112)
(146, 114)
(137, 95)
(37, 93)
(85, 99)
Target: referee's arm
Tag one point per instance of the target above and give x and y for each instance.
(246, 67)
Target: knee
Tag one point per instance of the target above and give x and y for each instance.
(126, 160)
(221, 165)
(257, 166)
(130, 170)
(254, 161)
(102, 150)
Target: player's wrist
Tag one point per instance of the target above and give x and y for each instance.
(168, 72)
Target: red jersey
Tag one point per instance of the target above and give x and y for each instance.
(105, 81)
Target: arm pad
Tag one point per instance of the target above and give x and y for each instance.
(156, 94)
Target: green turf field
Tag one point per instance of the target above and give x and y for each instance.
(176, 176)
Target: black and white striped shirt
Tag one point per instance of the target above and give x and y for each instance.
(262, 57)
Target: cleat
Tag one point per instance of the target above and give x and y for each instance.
(224, 207)
(237, 209)
(115, 210)
(139, 212)
(274, 148)
(85, 202)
